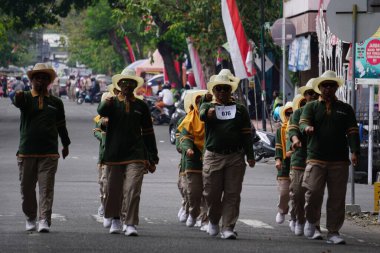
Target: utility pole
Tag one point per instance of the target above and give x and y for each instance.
(263, 93)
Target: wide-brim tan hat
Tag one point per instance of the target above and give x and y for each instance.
(230, 75)
(187, 100)
(42, 68)
(327, 76)
(219, 80)
(195, 94)
(127, 74)
(297, 100)
(308, 86)
(283, 109)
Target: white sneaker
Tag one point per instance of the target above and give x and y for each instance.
(183, 217)
(107, 222)
(180, 212)
(317, 234)
(309, 229)
(227, 234)
(298, 230)
(43, 226)
(124, 228)
(131, 231)
(101, 211)
(115, 226)
(292, 225)
(280, 218)
(204, 228)
(190, 221)
(30, 225)
(213, 230)
(335, 239)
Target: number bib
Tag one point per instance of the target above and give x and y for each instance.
(225, 112)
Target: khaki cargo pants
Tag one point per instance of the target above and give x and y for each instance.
(222, 180)
(41, 170)
(124, 190)
(315, 179)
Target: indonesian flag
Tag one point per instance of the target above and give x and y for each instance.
(130, 49)
(236, 37)
(196, 64)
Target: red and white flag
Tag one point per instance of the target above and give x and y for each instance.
(237, 40)
(219, 57)
(196, 64)
(249, 61)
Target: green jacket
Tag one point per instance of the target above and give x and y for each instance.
(231, 134)
(298, 158)
(335, 130)
(181, 166)
(100, 134)
(39, 128)
(193, 164)
(130, 135)
(284, 171)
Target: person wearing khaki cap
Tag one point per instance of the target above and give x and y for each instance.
(332, 133)
(298, 160)
(130, 151)
(227, 143)
(42, 121)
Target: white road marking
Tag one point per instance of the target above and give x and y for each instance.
(59, 217)
(74, 157)
(8, 215)
(162, 141)
(256, 224)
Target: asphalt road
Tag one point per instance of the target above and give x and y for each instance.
(76, 227)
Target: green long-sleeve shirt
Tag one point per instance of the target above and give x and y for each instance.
(181, 165)
(40, 125)
(285, 168)
(193, 164)
(335, 129)
(130, 135)
(228, 134)
(298, 158)
(100, 134)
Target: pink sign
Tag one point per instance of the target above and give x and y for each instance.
(373, 52)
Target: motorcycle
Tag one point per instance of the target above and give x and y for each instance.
(264, 145)
(159, 118)
(84, 96)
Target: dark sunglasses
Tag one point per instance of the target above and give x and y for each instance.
(43, 77)
(287, 114)
(225, 88)
(128, 82)
(328, 85)
(309, 92)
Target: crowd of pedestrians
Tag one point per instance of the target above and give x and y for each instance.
(215, 144)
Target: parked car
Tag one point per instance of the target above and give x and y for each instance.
(178, 113)
(154, 81)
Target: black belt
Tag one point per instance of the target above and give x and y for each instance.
(225, 151)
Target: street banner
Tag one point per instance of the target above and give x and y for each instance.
(130, 49)
(236, 37)
(299, 54)
(196, 63)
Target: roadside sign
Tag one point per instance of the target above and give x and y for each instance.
(376, 196)
(367, 64)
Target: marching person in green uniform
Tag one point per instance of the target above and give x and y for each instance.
(332, 130)
(130, 151)
(42, 121)
(298, 159)
(100, 134)
(228, 141)
(191, 144)
(282, 165)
